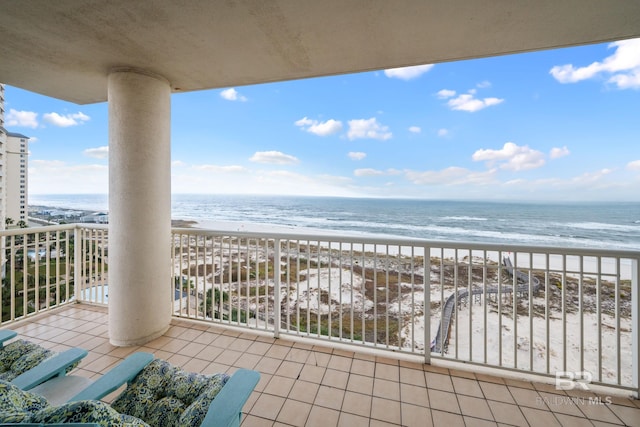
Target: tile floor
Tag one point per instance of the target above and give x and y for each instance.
(309, 385)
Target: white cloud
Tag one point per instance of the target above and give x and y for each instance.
(446, 93)
(591, 177)
(178, 164)
(357, 155)
(556, 152)
(408, 73)
(320, 128)
(634, 165)
(623, 67)
(46, 176)
(511, 157)
(221, 169)
(368, 172)
(33, 139)
(415, 129)
(232, 95)
(376, 172)
(273, 157)
(443, 132)
(97, 153)
(467, 102)
(27, 119)
(484, 84)
(65, 120)
(368, 128)
(451, 176)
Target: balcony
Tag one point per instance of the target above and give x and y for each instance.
(346, 343)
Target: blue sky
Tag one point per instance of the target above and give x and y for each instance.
(552, 125)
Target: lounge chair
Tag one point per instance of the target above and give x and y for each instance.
(29, 364)
(161, 394)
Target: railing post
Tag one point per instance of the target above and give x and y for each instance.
(77, 263)
(276, 290)
(635, 326)
(427, 304)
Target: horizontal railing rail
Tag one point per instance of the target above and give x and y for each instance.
(569, 313)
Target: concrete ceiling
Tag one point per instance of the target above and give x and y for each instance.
(65, 48)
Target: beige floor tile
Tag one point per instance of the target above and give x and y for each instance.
(209, 353)
(414, 395)
(527, 397)
(191, 349)
(415, 416)
(360, 384)
(294, 413)
(386, 389)
(385, 410)
(599, 412)
(228, 357)
(494, 391)
(363, 367)
(298, 355)
(268, 365)
(252, 421)
(571, 421)
(278, 351)
(350, 420)
(446, 419)
(247, 361)
(279, 386)
(412, 376)
(356, 403)
(304, 391)
(438, 381)
(443, 401)
(540, 417)
(312, 373)
(259, 348)
(267, 406)
(562, 404)
(329, 397)
(195, 365)
(467, 387)
(340, 363)
(289, 369)
(506, 413)
(240, 345)
(322, 417)
(477, 422)
(387, 372)
(474, 407)
(337, 379)
(626, 414)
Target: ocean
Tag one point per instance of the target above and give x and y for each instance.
(607, 225)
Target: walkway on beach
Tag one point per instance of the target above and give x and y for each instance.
(441, 342)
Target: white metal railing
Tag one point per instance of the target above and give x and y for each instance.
(558, 311)
(42, 267)
(537, 310)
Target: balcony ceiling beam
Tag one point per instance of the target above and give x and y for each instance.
(66, 48)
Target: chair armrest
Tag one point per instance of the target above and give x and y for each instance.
(52, 367)
(124, 372)
(226, 409)
(6, 335)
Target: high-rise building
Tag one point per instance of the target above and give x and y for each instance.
(3, 147)
(14, 152)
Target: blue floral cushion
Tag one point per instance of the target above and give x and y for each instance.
(20, 356)
(18, 406)
(165, 395)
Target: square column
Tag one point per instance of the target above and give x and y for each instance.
(139, 206)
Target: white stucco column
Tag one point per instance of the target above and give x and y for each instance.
(139, 206)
